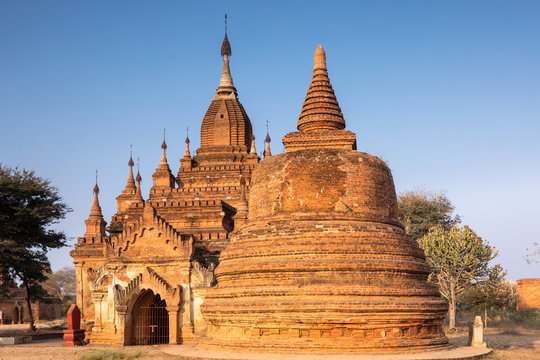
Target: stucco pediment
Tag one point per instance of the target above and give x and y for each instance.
(147, 280)
(152, 238)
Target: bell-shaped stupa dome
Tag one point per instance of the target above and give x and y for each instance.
(323, 264)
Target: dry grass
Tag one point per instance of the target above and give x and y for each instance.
(110, 355)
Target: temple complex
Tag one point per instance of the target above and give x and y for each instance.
(301, 252)
(141, 280)
(322, 264)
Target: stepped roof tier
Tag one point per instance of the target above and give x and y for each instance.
(323, 263)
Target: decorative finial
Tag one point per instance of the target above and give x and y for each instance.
(138, 178)
(253, 150)
(321, 111)
(187, 135)
(225, 46)
(267, 151)
(267, 133)
(319, 58)
(96, 187)
(95, 211)
(130, 162)
(163, 144)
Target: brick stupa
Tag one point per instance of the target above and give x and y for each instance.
(323, 264)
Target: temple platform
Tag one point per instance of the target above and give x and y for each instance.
(189, 352)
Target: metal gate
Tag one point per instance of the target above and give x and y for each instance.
(151, 322)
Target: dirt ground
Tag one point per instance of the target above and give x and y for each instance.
(507, 344)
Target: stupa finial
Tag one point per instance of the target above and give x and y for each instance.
(130, 186)
(267, 140)
(226, 85)
(187, 153)
(164, 144)
(225, 45)
(139, 179)
(321, 111)
(163, 163)
(253, 150)
(96, 208)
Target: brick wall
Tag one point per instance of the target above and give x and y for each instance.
(529, 293)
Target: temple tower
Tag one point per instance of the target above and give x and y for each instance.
(214, 183)
(323, 263)
(226, 139)
(88, 253)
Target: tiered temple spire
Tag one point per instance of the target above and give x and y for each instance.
(187, 153)
(267, 151)
(96, 208)
(321, 110)
(130, 186)
(95, 224)
(138, 194)
(186, 162)
(163, 179)
(226, 84)
(253, 150)
(321, 123)
(163, 163)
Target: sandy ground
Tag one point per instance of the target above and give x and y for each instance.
(507, 344)
(510, 343)
(53, 350)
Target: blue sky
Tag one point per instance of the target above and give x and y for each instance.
(448, 93)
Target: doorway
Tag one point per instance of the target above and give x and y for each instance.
(150, 320)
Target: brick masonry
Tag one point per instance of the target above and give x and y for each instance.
(323, 264)
(306, 246)
(529, 293)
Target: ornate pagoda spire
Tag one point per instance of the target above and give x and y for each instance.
(321, 110)
(187, 153)
(95, 224)
(253, 150)
(130, 186)
(267, 140)
(226, 85)
(96, 208)
(163, 179)
(186, 162)
(321, 123)
(138, 178)
(163, 163)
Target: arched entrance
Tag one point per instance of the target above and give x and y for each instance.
(150, 323)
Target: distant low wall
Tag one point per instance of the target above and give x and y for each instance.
(529, 293)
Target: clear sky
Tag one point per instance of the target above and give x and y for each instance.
(448, 93)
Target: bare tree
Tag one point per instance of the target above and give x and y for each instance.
(61, 283)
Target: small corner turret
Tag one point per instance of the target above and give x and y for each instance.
(163, 179)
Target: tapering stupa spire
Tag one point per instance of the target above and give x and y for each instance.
(321, 110)
(267, 140)
(95, 225)
(163, 163)
(226, 85)
(96, 208)
(253, 150)
(130, 186)
(187, 153)
(138, 194)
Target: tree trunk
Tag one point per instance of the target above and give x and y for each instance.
(452, 310)
(485, 318)
(29, 307)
